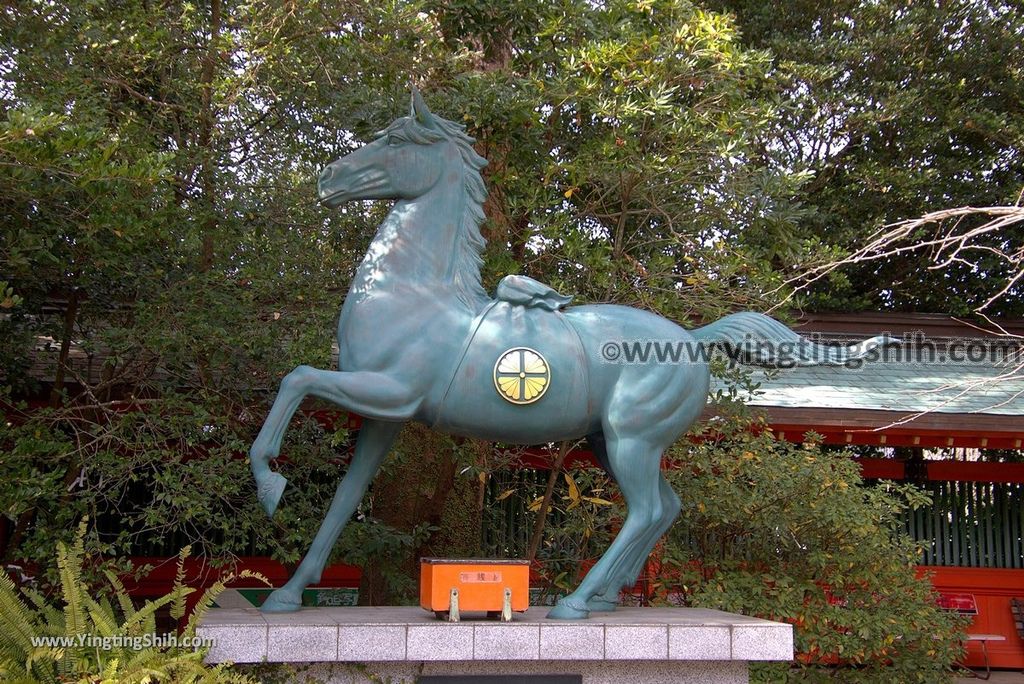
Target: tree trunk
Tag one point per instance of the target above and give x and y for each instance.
(70, 317)
(545, 504)
(206, 123)
(417, 490)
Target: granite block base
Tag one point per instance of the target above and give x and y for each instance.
(402, 644)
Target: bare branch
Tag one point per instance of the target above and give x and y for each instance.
(140, 96)
(955, 241)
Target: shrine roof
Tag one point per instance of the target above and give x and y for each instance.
(941, 364)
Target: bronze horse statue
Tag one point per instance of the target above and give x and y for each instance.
(420, 340)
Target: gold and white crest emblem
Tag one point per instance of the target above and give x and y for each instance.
(521, 375)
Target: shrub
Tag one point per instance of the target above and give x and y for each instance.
(83, 621)
(789, 532)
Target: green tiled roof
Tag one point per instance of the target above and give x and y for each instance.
(991, 386)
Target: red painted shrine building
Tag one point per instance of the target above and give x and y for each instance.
(944, 410)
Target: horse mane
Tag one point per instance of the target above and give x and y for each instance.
(464, 269)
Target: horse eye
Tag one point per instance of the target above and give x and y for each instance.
(394, 141)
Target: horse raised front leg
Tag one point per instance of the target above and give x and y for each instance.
(371, 395)
(374, 441)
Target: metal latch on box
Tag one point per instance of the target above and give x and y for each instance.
(506, 606)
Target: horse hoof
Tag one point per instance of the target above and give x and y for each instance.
(280, 602)
(568, 609)
(269, 491)
(600, 604)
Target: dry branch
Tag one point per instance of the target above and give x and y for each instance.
(954, 240)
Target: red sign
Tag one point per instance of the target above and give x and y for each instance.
(961, 603)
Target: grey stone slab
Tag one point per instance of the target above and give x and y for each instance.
(390, 615)
(635, 642)
(371, 643)
(300, 617)
(301, 643)
(233, 616)
(235, 643)
(671, 616)
(411, 634)
(506, 641)
(699, 642)
(571, 641)
(773, 641)
(442, 641)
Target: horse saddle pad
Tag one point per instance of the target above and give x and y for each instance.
(522, 371)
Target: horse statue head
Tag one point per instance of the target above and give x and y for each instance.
(428, 165)
(405, 161)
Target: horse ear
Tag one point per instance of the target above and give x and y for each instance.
(418, 109)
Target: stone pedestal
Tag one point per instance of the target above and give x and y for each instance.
(400, 644)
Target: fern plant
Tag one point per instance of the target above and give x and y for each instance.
(89, 640)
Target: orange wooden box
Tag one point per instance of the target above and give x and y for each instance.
(481, 584)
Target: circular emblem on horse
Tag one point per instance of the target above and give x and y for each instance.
(521, 375)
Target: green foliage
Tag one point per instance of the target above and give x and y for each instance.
(387, 549)
(91, 640)
(623, 164)
(579, 527)
(158, 221)
(8, 298)
(790, 532)
(886, 133)
(408, 514)
(580, 523)
(142, 487)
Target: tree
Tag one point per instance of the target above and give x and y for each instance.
(972, 238)
(893, 111)
(621, 140)
(159, 216)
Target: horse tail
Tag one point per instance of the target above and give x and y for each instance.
(756, 339)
